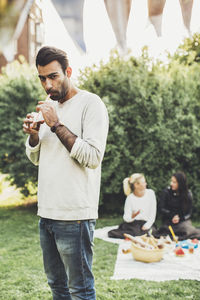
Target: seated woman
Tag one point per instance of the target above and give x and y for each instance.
(176, 209)
(139, 209)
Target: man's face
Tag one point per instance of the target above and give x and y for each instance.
(53, 80)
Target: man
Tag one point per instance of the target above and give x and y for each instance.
(68, 147)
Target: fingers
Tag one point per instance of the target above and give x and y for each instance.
(29, 130)
(29, 126)
(27, 122)
(43, 106)
(137, 213)
(144, 228)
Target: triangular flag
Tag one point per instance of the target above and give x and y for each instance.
(155, 12)
(71, 13)
(186, 9)
(118, 12)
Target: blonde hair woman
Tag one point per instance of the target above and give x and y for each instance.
(139, 209)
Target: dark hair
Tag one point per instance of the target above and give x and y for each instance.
(48, 54)
(182, 188)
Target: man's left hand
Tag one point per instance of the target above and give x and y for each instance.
(48, 112)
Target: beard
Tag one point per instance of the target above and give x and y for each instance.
(59, 95)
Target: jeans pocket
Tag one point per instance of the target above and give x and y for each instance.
(41, 222)
(92, 224)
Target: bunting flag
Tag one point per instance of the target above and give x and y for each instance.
(186, 9)
(155, 12)
(118, 13)
(71, 13)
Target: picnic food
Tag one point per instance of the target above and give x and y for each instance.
(195, 241)
(179, 251)
(146, 248)
(166, 240)
(125, 251)
(191, 249)
(144, 241)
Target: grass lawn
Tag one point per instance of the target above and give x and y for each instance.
(21, 268)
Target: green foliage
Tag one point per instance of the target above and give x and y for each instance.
(19, 92)
(154, 123)
(189, 51)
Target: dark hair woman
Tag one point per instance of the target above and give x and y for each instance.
(175, 207)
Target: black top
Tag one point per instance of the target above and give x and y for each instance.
(171, 204)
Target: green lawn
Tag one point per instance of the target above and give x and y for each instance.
(21, 269)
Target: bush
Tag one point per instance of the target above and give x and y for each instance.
(19, 92)
(154, 124)
(189, 51)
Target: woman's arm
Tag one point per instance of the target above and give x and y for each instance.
(188, 212)
(128, 210)
(152, 211)
(163, 204)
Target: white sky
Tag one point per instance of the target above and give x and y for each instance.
(99, 36)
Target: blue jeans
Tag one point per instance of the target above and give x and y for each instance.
(67, 257)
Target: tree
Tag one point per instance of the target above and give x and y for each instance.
(19, 92)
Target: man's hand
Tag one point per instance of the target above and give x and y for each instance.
(48, 112)
(32, 128)
(29, 126)
(135, 213)
(175, 219)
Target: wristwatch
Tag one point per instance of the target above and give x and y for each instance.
(55, 126)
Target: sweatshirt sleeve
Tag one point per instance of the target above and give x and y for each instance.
(165, 211)
(128, 211)
(152, 210)
(188, 214)
(89, 149)
(33, 152)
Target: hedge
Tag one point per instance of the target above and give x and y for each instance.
(154, 124)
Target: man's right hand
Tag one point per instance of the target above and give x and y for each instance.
(32, 128)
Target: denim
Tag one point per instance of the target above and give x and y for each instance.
(67, 256)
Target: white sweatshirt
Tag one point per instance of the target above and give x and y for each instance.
(69, 183)
(146, 205)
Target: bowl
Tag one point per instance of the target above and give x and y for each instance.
(146, 255)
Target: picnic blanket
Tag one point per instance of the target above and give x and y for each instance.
(170, 267)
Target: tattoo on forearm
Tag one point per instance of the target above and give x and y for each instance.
(66, 137)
